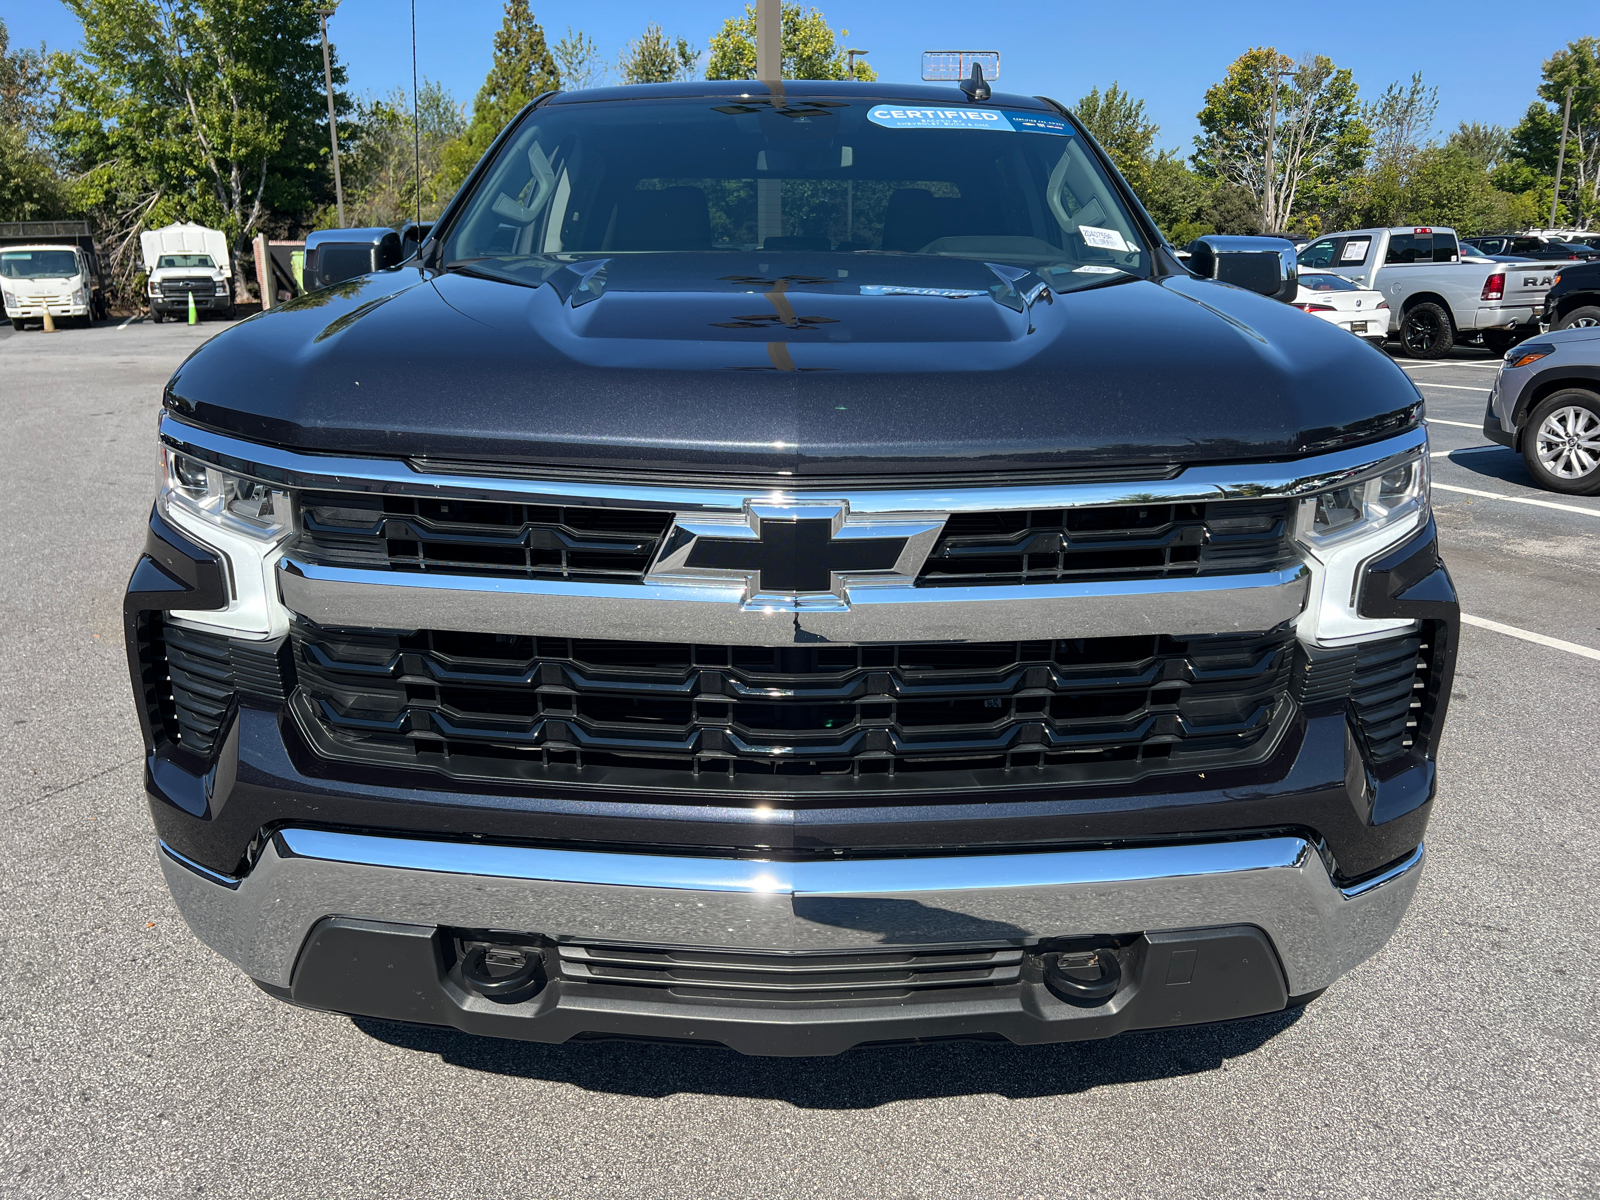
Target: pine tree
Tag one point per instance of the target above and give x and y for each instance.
(523, 68)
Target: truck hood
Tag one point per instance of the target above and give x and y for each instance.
(749, 364)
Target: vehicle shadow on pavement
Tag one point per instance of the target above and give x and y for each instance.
(1502, 464)
(863, 1078)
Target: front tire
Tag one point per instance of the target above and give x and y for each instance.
(1426, 332)
(16, 323)
(1561, 443)
(1586, 317)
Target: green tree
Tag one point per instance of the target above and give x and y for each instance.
(1536, 140)
(811, 49)
(1118, 122)
(578, 59)
(1486, 145)
(31, 186)
(523, 68)
(381, 174)
(1401, 121)
(1318, 140)
(655, 58)
(203, 110)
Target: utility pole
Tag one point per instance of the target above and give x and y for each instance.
(1269, 198)
(333, 123)
(852, 55)
(769, 69)
(1561, 158)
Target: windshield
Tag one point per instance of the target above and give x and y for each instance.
(38, 264)
(1327, 283)
(789, 175)
(186, 260)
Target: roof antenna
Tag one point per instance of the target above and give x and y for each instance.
(974, 85)
(416, 125)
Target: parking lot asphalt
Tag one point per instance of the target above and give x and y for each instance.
(1462, 1061)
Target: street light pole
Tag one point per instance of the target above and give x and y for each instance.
(333, 122)
(852, 55)
(1561, 158)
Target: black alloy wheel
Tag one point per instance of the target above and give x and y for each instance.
(1586, 317)
(1426, 332)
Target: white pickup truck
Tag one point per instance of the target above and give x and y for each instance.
(186, 264)
(1437, 299)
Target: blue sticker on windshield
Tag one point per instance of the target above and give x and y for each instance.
(966, 118)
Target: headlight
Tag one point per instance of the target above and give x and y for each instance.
(10, 300)
(245, 521)
(222, 288)
(1528, 352)
(154, 289)
(1344, 528)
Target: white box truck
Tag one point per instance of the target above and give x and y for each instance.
(50, 266)
(184, 261)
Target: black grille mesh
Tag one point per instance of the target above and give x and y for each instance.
(463, 537)
(793, 979)
(1385, 683)
(193, 677)
(1122, 541)
(476, 704)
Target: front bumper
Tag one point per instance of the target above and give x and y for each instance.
(338, 903)
(35, 311)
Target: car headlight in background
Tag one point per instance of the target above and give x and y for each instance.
(246, 522)
(154, 288)
(222, 288)
(10, 300)
(1528, 352)
(1344, 528)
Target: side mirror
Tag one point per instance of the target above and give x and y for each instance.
(334, 255)
(1259, 264)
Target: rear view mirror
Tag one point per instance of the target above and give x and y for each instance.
(1260, 264)
(334, 255)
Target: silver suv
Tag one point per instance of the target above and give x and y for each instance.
(1546, 404)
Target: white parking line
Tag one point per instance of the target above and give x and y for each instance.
(1465, 450)
(1459, 387)
(1446, 487)
(1529, 636)
(1493, 366)
(130, 320)
(1463, 424)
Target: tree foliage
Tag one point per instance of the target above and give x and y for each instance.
(381, 175)
(1310, 110)
(578, 59)
(204, 110)
(31, 186)
(653, 57)
(811, 49)
(1536, 140)
(1118, 122)
(523, 68)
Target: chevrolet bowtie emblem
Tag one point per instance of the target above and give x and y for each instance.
(796, 554)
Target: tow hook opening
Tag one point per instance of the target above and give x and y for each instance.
(1089, 977)
(500, 970)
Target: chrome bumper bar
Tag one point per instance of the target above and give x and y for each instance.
(1280, 884)
(344, 596)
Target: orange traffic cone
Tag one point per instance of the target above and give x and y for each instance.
(49, 324)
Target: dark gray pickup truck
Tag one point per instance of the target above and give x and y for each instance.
(791, 566)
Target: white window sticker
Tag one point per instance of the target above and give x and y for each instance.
(1094, 269)
(1355, 250)
(1103, 239)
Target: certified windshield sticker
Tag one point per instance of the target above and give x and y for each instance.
(880, 289)
(1102, 239)
(1093, 269)
(967, 118)
(938, 118)
(1024, 122)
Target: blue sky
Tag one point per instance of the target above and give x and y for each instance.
(1483, 57)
